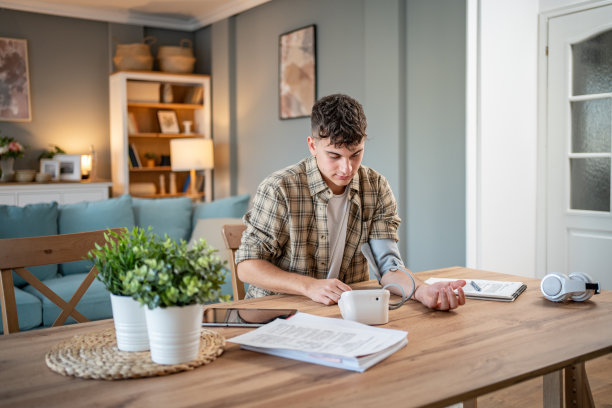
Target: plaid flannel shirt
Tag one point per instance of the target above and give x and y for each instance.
(287, 224)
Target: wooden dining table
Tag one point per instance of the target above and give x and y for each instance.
(451, 357)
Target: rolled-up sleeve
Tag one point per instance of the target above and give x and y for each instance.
(385, 221)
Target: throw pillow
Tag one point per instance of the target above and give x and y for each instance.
(230, 207)
(171, 216)
(32, 220)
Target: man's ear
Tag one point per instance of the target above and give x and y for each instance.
(312, 146)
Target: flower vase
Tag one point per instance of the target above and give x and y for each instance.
(7, 167)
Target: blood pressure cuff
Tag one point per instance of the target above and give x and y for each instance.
(382, 255)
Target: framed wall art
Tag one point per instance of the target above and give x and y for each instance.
(297, 69)
(15, 103)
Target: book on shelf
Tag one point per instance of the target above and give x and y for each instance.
(324, 340)
(194, 95)
(482, 289)
(134, 160)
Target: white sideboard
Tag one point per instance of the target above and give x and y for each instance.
(21, 194)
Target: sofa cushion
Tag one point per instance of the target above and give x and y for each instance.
(210, 230)
(171, 216)
(93, 216)
(32, 220)
(230, 207)
(94, 305)
(29, 311)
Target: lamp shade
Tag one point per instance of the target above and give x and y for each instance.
(191, 154)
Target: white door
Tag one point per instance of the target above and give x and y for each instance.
(579, 123)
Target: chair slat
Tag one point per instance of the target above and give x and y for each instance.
(232, 234)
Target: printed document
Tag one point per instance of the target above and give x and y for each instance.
(489, 290)
(323, 340)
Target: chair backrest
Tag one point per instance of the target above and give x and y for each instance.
(18, 253)
(232, 235)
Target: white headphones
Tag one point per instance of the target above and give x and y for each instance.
(578, 286)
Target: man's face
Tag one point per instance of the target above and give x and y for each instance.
(338, 165)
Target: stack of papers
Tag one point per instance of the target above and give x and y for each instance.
(489, 290)
(324, 340)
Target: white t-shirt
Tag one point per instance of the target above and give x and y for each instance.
(337, 219)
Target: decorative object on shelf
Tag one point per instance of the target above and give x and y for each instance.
(69, 166)
(162, 184)
(25, 176)
(174, 282)
(132, 124)
(135, 56)
(177, 59)
(191, 155)
(167, 94)
(49, 154)
(116, 260)
(172, 183)
(50, 167)
(142, 189)
(168, 122)
(150, 159)
(165, 160)
(142, 91)
(10, 149)
(15, 103)
(297, 72)
(187, 127)
(86, 166)
(43, 177)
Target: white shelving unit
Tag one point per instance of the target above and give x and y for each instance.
(145, 133)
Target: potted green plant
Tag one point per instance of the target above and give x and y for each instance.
(116, 261)
(150, 159)
(174, 282)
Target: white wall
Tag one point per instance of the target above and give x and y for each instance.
(504, 186)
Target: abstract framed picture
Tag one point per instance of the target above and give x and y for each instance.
(15, 103)
(297, 72)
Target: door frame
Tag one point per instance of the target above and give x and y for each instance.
(542, 145)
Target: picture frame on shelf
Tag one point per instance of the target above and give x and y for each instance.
(69, 166)
(50, 166)
(168, 121)
(15, 106)
(298, 72)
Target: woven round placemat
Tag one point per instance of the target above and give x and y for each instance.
(95, 355)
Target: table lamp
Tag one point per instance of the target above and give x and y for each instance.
(191, 155)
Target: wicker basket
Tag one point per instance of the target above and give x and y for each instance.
(177, 64)
(185, 49)
(136, 56)
(133, 62)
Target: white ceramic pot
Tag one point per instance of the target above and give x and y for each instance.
(174, 333)
(130, 324)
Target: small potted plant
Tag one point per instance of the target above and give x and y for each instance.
(151, 157)
(174, 282)
(116, 261)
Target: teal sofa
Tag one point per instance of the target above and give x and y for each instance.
(176, 217)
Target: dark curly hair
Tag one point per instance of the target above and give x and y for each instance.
(340, 118)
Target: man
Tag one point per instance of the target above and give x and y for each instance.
(309, 220)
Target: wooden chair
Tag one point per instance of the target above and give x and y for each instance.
(18, 253)
(232, 235)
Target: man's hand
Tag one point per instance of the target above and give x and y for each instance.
(326, 291)
(441, 295)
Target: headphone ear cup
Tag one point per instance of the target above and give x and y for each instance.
(582, 296)
(552, 287)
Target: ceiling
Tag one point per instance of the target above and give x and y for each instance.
(187, 15)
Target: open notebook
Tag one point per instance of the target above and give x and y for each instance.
(503, 291)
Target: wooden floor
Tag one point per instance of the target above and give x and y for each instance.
(529, 393)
